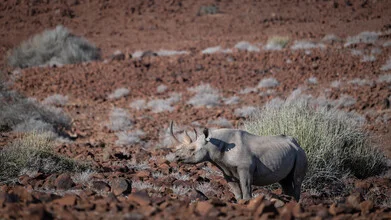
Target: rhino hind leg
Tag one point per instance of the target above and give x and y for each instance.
(288, 186)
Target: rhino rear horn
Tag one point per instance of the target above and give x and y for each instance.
(172, 132)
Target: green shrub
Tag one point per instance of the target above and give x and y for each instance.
(34, 153)
(334, 141)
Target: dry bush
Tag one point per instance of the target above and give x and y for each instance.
(276, 43)
(119, 120)
(34, 152)
(56, 100)
(118, 93)
(335, 143)
(25, 115)
(56, 46)
(205, 96)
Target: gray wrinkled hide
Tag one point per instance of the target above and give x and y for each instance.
(246, 159)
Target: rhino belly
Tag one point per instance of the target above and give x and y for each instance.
(271, 172)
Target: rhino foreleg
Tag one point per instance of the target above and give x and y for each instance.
(245, 178)
(235, 189)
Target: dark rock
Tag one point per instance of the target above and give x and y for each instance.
(64, 182)
(197, 195)
(120, 186)
(101, 186)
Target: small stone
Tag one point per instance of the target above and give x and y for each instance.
(197, 195)
(66, 200)
(118, 55)
(64, 182)
(140, 197)
(204, 207)
(101, 186)
(264, 207)
(277, 203)
(143, 174)
(255, 202)
(37, 211)
(354, 200)
(120, 186)
(366, 207)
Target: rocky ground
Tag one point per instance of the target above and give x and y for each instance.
(133, 176)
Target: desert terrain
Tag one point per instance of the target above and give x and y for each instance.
(158, 60)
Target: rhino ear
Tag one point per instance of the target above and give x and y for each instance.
(206, 133)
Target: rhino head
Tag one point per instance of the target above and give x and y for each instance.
(191, 151)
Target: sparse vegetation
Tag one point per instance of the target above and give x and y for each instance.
(118, 93)
(313, 80)
(268, 83)
(205, 96)
(161, 105)
(180, 190)
(179, 176)
(83, 177)
(306, 45)
(22, 114)
(246, 46)
(119, 120)
(171, 52)
(208, 10)
(387, 65)
(161, 88)
(56, 100)
(129, 138)
(138, 104)
(217, 49)
(334, 141)
(53, 47)
(231, 100)
(204, 187)
(361, 82)
(368, 58)
(385, 78)
(245, 111)
(221, 122)
(276, 43)
(34, 152)
(363, 37)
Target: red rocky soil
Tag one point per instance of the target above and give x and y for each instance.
(113, 190)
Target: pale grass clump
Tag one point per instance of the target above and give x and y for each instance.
(119, 120)
(204, 187)
(385, 78)
(129, 138)
(179, 176)
(56, 99)
(246, 46)
(138, 104)
(84, 177)
(180, 190)
(268, 83)
(57, 47)
(306, 45)
(245, 111)
(335, 142)
(139, 185)
(276, 43)
(118, 93)
(205, 96)
(34, 152)
(386, 66)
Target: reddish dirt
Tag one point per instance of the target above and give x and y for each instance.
(149, 25)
